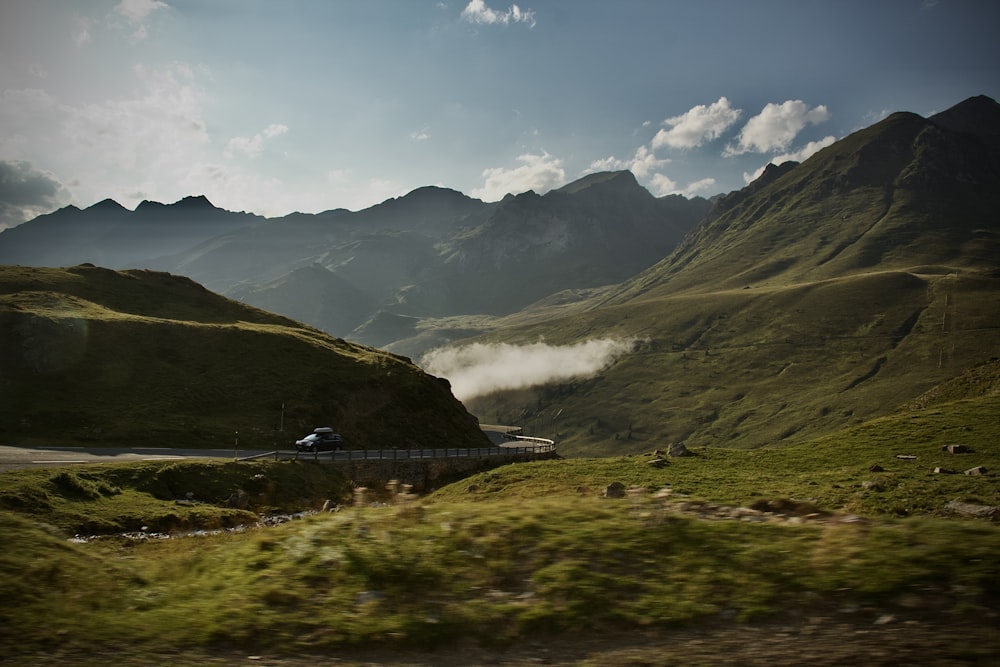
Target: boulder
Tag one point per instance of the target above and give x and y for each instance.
(614, 490)
(677, 449)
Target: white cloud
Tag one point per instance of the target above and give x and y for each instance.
(776, 126)
(136, 11)
(537, 172)
(477, 12)
(805, 152)
(480, 369)
(641, 164)
(161, 126)
(253, 146)
(423, 134)
(81, 31)
(699, 187)
(800, 155)
(698, 125)
(661, 185)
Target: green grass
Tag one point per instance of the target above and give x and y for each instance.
(525, 551)
(167, 497)
(137, 357)
(757, 367)
(458, 572)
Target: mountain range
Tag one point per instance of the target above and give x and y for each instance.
(823, 294)
(372, 275)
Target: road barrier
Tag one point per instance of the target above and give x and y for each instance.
(536, 446)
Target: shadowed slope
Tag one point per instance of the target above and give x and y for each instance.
(146, 358)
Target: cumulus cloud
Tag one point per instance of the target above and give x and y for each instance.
(136, 11)
(800, 155)
(253, 146)
(537, 172)
(806, 151)
(27, 192)
(480, 369)
(477, 12)
(696, 126)
(776, 126)
(641, 164)
(661, 186)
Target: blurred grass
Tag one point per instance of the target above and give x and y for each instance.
(526, 550)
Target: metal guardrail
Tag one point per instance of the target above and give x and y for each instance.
(538, 446)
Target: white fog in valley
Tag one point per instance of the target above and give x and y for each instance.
(479, 369)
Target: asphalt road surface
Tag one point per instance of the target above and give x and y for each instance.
(35, 457)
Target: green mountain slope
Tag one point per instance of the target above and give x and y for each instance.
(826, 293)
(146, 358)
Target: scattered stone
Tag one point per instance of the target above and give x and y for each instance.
(906, 457)
(665, 492)
(943, 471)
(872, 485)
(239, 499)
(676, 449)
(614, 490)
(656, 463)
(977, 471)
(876, 468)
(956, 449)
(885, 619)
(991, 512)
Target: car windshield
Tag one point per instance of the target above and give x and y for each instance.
(311, 436)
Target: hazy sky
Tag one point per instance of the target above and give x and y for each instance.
(278, 106)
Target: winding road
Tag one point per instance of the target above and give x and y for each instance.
(35, 457)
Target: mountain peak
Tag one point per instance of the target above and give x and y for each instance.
(617, 180)
(199, 201)
(979, 116)
(106, 205)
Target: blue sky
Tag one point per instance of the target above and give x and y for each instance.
(300, 105)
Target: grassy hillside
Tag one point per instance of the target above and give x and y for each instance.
(823, 294)
(837, 543)
(752, 367)
(138, 357)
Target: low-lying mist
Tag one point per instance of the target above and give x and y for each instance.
(481, 368)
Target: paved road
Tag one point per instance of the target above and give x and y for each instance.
(49, 456)
(35, 457)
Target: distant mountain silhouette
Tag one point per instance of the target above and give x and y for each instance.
(107, 234)
(434, 252)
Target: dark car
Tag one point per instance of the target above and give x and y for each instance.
(322, 439)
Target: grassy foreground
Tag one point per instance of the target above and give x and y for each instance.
(521, 553)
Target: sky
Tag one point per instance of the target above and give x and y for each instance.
(311, 105)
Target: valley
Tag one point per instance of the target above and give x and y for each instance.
(790, 451)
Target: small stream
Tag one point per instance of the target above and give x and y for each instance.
(142, 535)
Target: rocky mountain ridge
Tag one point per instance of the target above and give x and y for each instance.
(432, 253)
